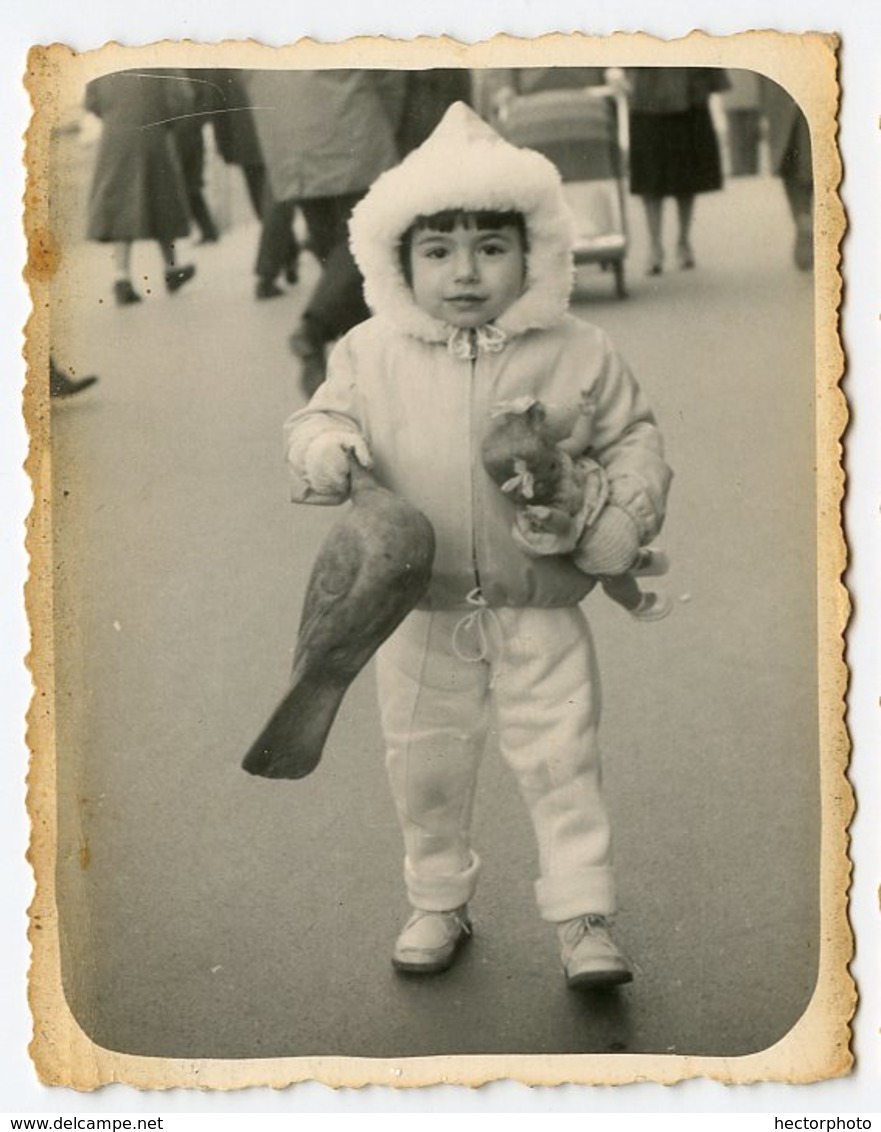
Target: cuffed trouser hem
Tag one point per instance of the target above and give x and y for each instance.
(441, 893)
(590, 891)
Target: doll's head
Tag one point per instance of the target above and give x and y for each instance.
(464, 267)
(520, 454)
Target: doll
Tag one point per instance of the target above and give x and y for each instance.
(561, 496)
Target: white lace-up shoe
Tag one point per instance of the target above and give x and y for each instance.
(430, 941)
(590, 958)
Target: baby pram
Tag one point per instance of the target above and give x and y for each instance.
(584, 133)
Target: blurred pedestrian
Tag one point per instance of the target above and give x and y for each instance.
(189, 137)
(326, 136)
(138, 190)
(743, 121)
(789, 138)
(674, 149)
(235, 134)
(427, 96)
(278, 251)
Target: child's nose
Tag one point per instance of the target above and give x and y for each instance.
(466, 264)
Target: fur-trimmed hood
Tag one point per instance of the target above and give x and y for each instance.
(465, 164)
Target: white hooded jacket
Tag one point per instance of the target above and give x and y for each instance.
(402, 381)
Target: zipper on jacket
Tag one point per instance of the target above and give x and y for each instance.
(472, 454)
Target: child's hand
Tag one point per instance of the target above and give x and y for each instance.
(326, 465)
(610, 544)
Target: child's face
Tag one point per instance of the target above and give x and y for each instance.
(468, 276)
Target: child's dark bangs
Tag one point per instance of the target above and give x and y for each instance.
(482, 219)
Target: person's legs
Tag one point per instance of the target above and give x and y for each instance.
(685, 210)
(654, 212)
(255, 182)
(277, 250)
(800, 197)
(175, 276)
(337, 303)
(546, 689)
(123, 290)
(547, 694)
(434, 720)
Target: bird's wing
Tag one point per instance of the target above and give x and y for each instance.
(339, 563)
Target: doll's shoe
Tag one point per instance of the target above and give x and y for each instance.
(589, 956)
(124, 293)
(650, 564)
(652, 607)
(175, 277)
(430, 941)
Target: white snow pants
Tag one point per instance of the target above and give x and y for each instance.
(537, 684)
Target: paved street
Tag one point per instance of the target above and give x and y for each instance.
(209, 914)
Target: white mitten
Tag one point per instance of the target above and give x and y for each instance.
(326, 465)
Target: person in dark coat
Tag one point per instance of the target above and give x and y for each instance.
(426, 98)
(674, 150)
(326, 136)
(189, 137)
(137, 190)
(235, 134)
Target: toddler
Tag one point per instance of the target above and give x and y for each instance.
(465, 249)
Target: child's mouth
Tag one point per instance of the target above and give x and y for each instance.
(466, 300)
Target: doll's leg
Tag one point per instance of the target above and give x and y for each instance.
(650, 563)
(623, 589)
(644, 606)
(433, 712)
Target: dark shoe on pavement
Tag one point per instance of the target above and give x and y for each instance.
(62, 385)
(175, 277)
(292, 271)
(268, 289)
(430, 941)
(589, 956)
(124, 293)
(310, 349)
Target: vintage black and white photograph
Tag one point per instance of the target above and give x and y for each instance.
(437, 623)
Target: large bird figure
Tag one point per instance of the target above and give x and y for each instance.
(372, 569)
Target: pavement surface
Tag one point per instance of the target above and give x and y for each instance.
(207, 914)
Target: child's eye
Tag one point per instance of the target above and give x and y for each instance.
(434, 253)
(494, 249)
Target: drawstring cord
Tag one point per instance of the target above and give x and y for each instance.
(465, 343)
(479, 620)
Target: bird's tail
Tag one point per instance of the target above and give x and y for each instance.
(292, 742)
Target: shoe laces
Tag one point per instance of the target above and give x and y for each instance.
(573, 931)
(458, 916)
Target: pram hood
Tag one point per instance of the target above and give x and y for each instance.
(465, 164)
